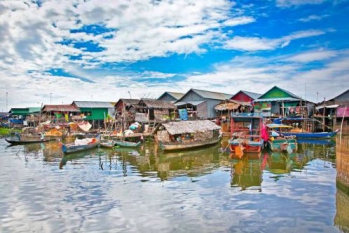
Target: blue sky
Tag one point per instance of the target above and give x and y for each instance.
(85, 50)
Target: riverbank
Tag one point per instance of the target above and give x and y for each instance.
(6, 131)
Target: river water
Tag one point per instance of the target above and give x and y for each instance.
(206, 190)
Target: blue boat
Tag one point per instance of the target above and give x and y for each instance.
(71, 148)
(306, 128)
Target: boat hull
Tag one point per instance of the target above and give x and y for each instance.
(20, 142)
(174, 147)
(279, 145)
(127, 144)
(249, 147)
(305, 135)
(67, 149)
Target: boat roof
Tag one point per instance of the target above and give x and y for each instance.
(273, 126)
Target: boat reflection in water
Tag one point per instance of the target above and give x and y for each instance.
(246, 172)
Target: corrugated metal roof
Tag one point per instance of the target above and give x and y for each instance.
(252, 94)
(276, 99)
(151, 103)
(93, 104)
(181, 127)
(61, 107)
(129, 102)
(34, 109)
(212, 95)
(176, 95)
(194, 103)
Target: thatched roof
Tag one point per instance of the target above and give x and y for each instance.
(159, 104)
(230, 105)
(180, 127)
(60, 108)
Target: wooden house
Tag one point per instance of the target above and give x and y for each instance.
(154, 110)
(278, 102)
(335, 112)
(200, 103)
(95, 111)
(171, 96)
(61, 112)
(126, 109)
(18, 115)
(241, 101)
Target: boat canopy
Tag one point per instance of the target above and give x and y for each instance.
(274, 126)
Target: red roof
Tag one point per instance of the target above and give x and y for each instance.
(61, 108)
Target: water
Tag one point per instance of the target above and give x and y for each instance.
(125, 190)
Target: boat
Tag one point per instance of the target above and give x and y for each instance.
(179, 146)
(81, 145)
(107, 143)
(183, 135)
(305, 128)
(123, 143)
(248, 133)
(17, 138)
(277, 142)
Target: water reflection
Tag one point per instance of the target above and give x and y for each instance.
(144, 190)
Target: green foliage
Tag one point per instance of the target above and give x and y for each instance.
(5, 131)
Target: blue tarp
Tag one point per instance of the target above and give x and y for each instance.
(183, 114)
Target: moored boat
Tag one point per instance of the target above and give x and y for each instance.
(123, 143)
(277, 142)
(305, 128)
(107, 143)
(179, 146)
(81, 145)
(183, 135)
(17, 138)
(248, 133)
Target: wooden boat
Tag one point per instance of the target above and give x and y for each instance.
(107, 143)
(73, 147)
(16, 138)
(246, 133)
(124, 143)
(181, 135)
(306, 128)
(277, 142)
(179, 146)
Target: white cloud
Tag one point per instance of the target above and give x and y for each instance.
(290, 3)
(259, 74)
(312, 56)
(239, 21)
(256, 43)
(312, 18)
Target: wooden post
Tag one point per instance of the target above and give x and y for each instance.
(323, 117)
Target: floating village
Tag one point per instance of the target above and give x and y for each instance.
(244, 124)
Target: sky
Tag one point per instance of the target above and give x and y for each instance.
(54, 52)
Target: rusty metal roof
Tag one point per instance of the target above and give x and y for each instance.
(60, 107)
(151, 103)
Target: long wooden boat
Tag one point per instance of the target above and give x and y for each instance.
(309, 135)
(306, 130)
(71, 148)
(123, 143)
(107, 143)
(16, 138)
(183, 146)
(278, 142)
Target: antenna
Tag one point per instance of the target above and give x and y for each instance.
(6, 100)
